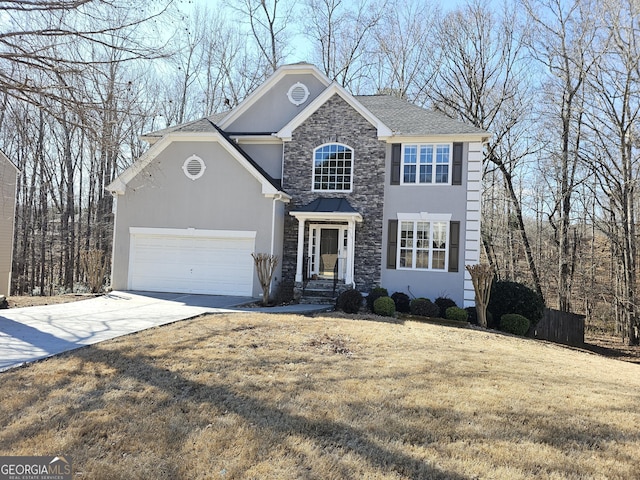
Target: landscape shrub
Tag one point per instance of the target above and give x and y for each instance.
(443, 303)
(424, 308)
(473, 316)
(402, 301)
(376, 293)
(349, 301)
(513, 297)
(457, 314)
(514, 323)
(284, 293)
(384, 306)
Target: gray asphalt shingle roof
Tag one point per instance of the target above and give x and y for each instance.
(404, 118)
(200, 125)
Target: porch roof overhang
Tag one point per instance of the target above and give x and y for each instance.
(328, 209)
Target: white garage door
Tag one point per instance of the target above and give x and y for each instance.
(191, 261)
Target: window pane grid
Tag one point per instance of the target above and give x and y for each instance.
(423, 245)
(418, 162)
(332, 167)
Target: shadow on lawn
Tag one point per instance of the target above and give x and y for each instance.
(326, 435)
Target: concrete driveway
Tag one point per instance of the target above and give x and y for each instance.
(32, 333)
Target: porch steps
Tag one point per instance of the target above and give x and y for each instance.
(321, 292)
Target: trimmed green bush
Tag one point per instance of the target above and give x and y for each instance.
(384, 306)
(513, 297)
(457, 314)
(443, 303)
(473, 316)
(514, 323)
(424, 308)
(349, 301)
(376, 293)
(402, 301)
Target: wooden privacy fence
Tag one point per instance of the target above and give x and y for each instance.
(561, 327)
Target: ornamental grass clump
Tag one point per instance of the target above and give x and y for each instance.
(384, 306)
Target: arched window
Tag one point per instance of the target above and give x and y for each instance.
(333, 168)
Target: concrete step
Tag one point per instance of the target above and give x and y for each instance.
(315, 300)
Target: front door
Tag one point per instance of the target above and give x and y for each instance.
(328, 252)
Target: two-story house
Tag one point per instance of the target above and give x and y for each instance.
(369, 190)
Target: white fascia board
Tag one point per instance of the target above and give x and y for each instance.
(328, 216)
(118, 186)
(454, 137)
(286, 132)
(150, 139)
(256, 139)
(267, 85)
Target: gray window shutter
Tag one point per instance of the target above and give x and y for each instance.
(454, 246)
(396, 158)
(456, 175)
(392, 244)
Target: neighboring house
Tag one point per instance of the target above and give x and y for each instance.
(370, 189)
(8, 185)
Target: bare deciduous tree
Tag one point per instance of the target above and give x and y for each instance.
(341, 35)
(405, 50)
(613, 117)
(482, 79)
(562, 41)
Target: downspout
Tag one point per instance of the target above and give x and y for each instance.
(276, 197)
(282, 165)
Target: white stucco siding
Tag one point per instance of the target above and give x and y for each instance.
(226, 198)
(273, 110)
(269, 157)
(462, 202)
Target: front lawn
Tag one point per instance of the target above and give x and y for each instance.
(283, 397)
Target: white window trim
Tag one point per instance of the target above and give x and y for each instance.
(313, 168)
(424, 217)
(433, 174)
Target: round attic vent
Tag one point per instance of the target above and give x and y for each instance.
(193, 167)
(298, 93)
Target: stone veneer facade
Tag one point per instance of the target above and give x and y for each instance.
(336, 121)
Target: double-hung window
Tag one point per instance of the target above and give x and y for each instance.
(423, 244)
(426, 163)
(333, 168)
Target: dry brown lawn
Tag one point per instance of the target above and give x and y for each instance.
(286, 397)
